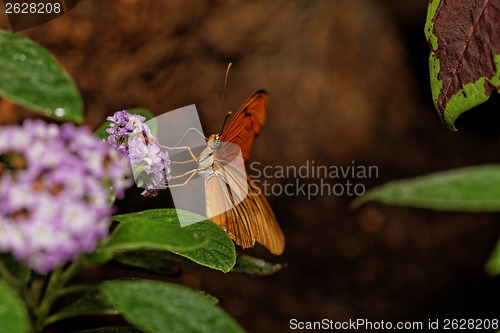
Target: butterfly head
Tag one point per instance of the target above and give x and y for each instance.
(214, 142)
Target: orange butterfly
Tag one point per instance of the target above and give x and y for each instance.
(247, 218)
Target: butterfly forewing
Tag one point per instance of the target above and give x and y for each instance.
(246, 123)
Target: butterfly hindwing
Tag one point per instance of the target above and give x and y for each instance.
(250, 221)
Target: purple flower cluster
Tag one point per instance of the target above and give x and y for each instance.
(54, 191)
(133, 138)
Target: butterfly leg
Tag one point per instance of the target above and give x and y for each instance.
(185, 133)
(193, 173)
(182, 147)
(185, 147)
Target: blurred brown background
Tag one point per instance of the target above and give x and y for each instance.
(348, 82)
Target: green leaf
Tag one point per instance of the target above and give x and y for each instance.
(150, 118)
(91, 303)
(100, 255)
(112, 330)
(471, 189)
(159, 307)
(255, 266)
(143, 260)
(13, 315)
(141, 233)
(464, 60)
(31, 77)
(217, 253)
(138, 232)
(492, 266)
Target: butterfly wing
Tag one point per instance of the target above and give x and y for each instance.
(250, 221)
(248, 218)
(247, 122)
(264, 226)
(226, 184)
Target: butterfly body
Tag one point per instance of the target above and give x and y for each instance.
(208, 164)
(206, 159)
(233, 201)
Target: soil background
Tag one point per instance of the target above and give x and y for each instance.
(348, 83)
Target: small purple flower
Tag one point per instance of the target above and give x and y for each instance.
(54, 196)
(133, 139)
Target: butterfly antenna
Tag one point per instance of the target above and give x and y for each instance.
(223, 95)
(224, 123)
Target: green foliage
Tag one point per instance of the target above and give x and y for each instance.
(111, 329)
(492, 266)
(472, 189)
(216, 252)
(144, 260)
(142, 233)
(13, 314)
(31, 77)
(464, 66)
(163, 307)
(255, 266)
(464, 60)
(139, 241)
(94, 302)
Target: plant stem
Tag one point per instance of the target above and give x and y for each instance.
(7, 276)
(48, 298)
(73, 268)
(57, 280)
(64, 291)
